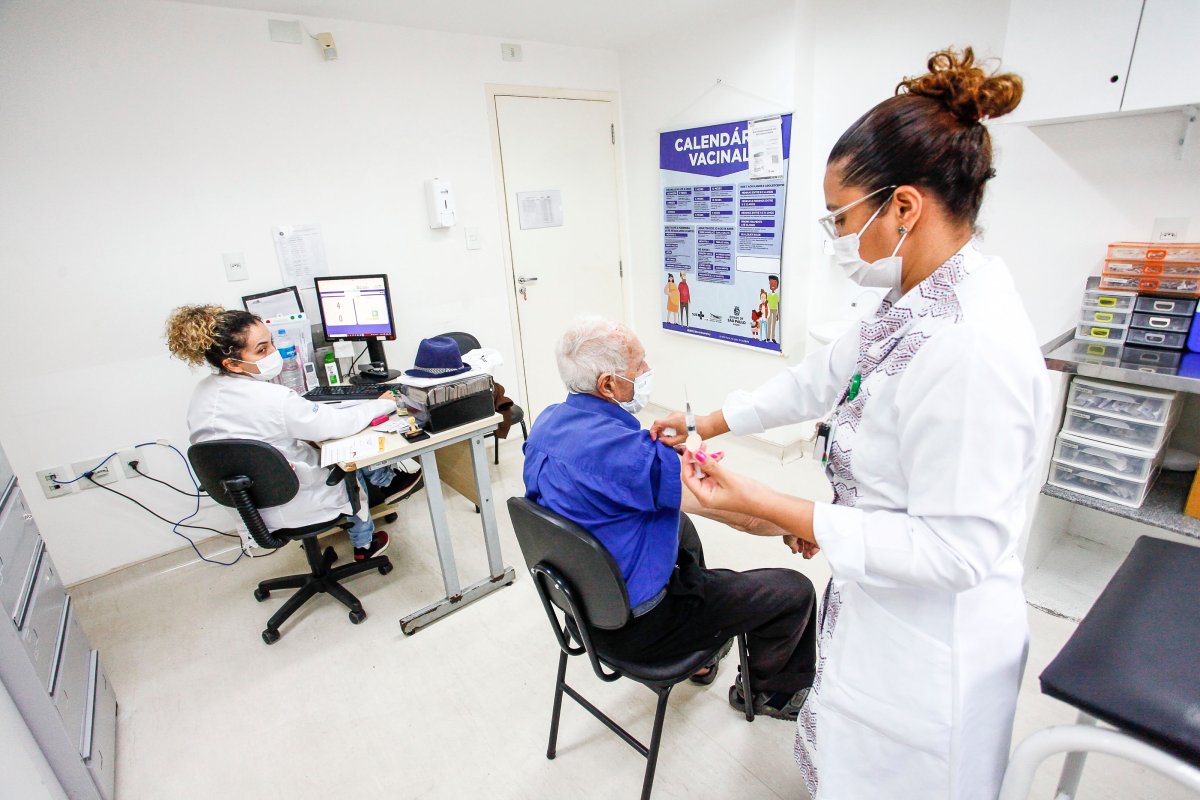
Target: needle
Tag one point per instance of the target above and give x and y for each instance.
(690, 419)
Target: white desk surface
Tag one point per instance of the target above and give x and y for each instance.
(396, 446)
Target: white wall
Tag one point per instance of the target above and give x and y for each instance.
(143, 139)
(661, 79)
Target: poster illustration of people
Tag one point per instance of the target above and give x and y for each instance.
(723, 193)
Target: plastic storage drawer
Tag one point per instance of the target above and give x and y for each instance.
(1154, 251)
(1142, 337)
(18, 550)
(1097, 484)
(1153, 269)
(44, 619)
(1121, 462)
(1121, 400)
(1133, 365)
(1145, 356)
(1162, 322)
(1165, 305)
(1114, 430)
(1133, 283)
(1113, 301)
(102, 760)
(1104, 316)
(1097, 353)
(1100, 333)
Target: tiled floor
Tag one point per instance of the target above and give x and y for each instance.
(460, 709)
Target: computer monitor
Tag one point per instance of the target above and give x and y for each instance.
(359, 308)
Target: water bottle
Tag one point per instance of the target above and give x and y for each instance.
(291, 376)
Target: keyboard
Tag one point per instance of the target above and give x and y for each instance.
(329, 394)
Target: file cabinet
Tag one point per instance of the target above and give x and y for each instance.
(55, 677)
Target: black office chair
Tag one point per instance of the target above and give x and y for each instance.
(247, 475)
(467, 342)
(573, 572)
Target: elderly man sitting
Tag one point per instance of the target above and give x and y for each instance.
(589, 460)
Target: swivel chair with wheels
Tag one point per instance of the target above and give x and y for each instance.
(575, 574)
(466, 342)
(248, 475)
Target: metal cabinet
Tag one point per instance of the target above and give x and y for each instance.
(47, 665)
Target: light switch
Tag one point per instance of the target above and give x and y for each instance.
(235, 267)
(472, 235)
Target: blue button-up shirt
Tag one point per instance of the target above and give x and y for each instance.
(589, 460)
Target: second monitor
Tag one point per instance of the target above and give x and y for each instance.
(359, 308)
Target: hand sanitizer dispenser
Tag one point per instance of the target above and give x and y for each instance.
(439, 197)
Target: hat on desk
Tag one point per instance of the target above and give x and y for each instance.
(437, 357)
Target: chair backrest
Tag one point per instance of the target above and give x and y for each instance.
(465, 341)
(550, 539)
(273, 482)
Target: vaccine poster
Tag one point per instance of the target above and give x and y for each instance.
(724, 189)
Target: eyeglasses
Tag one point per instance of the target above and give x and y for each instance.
(829, 222)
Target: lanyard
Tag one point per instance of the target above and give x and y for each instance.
(828, 426)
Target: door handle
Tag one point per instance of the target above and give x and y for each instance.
(523, 280)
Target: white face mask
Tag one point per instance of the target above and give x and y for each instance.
(269, 366)
(642, 387)
(883, 274)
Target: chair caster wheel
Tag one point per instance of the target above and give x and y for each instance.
(384, 569)
(260, 595)
(355, 616)
(270, 636)
(391, 517)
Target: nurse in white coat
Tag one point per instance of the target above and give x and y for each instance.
(238, 402)
(937, 404)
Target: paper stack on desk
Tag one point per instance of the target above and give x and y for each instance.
(351, 449)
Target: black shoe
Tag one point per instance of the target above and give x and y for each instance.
(769, 704)
(713, 666)
(377, 546)
(403, 484)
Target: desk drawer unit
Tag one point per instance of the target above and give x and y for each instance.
(19, 543)
(1144, 338)
(1120, 400)
(1114, 430)
(43, 623)
(73, 681)
(1162, 322)
(1150, 357)
(1109, 459)
(1100, 485)
(1148, 304)
(101, 758)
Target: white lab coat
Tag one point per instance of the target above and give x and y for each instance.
(923, 631)
(238, 407)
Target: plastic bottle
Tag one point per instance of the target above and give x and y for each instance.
(331, 370)
(291, 376)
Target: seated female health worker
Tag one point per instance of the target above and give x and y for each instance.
(939, 400)
(237, 401)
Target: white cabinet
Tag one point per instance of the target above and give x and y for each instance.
(1165, 70)
(1086, 58)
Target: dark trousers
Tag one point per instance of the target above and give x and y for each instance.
(776, 608)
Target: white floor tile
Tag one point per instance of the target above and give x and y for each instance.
(461, 708)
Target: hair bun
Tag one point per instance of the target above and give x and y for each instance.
(191, 330)
(955, 81)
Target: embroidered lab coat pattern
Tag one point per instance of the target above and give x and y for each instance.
(923, 632)
(234, 407)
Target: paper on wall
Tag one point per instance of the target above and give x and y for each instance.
(764, 144)
(540, 209)
(300, 250)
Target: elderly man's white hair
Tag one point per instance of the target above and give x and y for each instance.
(591, 347)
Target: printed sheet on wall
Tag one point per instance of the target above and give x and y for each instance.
(723, 193)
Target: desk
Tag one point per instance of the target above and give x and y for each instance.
(445, 457)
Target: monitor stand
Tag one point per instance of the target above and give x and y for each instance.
(377, 371)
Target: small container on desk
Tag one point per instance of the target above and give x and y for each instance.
(448, 405)
(1154, 251)
(1106, 317)
(1166, 269)
(1107, 334)
(1116, 430)
(1175, 306)
(1097, 484)
(1095, 297)
(1110, 459)
(1162, 322)
(1140, 337)
(1137, 403)
(1150, 357)
(1187, 287)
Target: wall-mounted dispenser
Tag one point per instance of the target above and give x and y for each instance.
(439, 198)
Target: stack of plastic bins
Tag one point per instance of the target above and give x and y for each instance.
(1105, 317)
(1112, 440)
(1151, 267)
(1160, 328)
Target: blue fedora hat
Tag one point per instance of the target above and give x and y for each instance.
(437, 358)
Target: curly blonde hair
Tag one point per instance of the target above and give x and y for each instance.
(207, 333)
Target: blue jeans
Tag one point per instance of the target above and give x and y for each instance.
(362, 532)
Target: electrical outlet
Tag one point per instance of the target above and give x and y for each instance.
(126, 457)
(49, 480)
(510, 52)
(1170, 229)
(105, 473)
(235, 267)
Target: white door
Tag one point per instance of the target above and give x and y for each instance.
(562, 271)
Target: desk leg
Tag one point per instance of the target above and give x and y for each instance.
(441, 529)
(487, 509)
